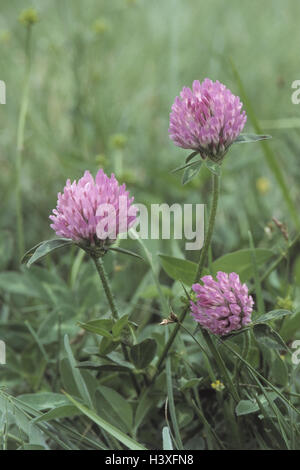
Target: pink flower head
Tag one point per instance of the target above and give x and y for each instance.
(222, 306)
(206, 119)
(93, 211)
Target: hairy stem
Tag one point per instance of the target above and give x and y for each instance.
(105, 283)
(113, 307)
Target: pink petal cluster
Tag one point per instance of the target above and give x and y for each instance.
(79, 209)
(207, 118)
(222, 306)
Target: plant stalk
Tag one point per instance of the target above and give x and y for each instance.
(211, 224)
(20, 144)
(105, 283)
(113, 307)
(221, 365)
(202, 260)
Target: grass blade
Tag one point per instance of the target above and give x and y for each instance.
(112, 430)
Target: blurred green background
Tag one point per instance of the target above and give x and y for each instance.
(104, 77)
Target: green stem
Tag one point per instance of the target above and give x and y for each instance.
(261, 377)
(206, 357)
(199, 412)
(113, 307)
(169, 344)
(206, 360)
(172, 403)
(211, 224)
(221, 365)
(245, 354)
(58, 347)
(105, 283)
(202, 260)
(20, 144)
(257, 283)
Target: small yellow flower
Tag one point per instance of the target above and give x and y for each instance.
(282, 357)
(218, 386)
(263, 185)
(29, 17)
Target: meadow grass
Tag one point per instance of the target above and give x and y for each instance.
(103, 77)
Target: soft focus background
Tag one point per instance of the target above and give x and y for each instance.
(104, 76)
(104, 68)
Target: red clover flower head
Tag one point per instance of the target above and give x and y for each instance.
(206, 119)
(223, 305)
(93, 212)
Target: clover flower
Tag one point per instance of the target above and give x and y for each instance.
(93, 212)
(222, 306)
(206, 119)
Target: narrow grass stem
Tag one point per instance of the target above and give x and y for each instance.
(245, 354)
(20, 143)
(169, 344)
(257, 283)
(172, 403)
(199, 412)
(221, 365)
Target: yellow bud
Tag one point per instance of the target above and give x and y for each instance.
(263, 185)
(29, 17)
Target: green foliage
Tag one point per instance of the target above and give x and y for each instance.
(38, 252)
(127, 441)
(191, 172)
(213, 167)
(245, 407)
(74, 378)
(143, 353)
(265, 335)
(239, 262)
(246, 138)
